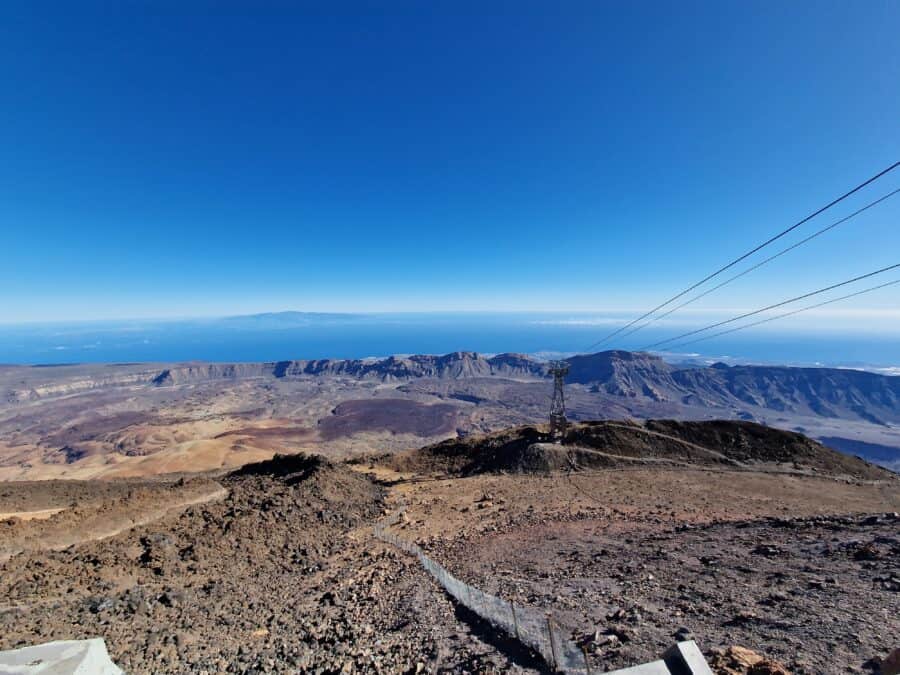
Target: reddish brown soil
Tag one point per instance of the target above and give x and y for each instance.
(282, 572)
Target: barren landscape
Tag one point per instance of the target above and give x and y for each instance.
(631, 535)
(93, 421)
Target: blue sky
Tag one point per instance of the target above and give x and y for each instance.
(189, 159)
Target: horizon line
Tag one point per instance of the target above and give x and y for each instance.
(607, 313)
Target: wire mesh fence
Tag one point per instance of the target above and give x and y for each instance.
(534, 628)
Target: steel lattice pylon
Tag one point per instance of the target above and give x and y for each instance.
(558, 422)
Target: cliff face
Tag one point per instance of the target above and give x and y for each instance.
(66, 387)
(824, 392)
(630, 374)
(212, 371)
(394, 368)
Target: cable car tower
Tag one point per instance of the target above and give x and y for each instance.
(558, 422)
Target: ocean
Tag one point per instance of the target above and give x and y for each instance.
(285, 336)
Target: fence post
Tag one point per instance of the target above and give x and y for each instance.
(555, 663)
(587, 663)
(512, 608)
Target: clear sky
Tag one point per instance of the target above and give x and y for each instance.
(190, 158)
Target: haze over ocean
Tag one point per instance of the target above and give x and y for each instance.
(284, 337)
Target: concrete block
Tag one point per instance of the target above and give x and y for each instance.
(652, 668)
(685, 658)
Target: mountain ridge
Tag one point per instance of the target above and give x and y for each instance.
(231, 412)
(824, 392)
(834, 393)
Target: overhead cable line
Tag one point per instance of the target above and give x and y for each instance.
(787, 314)
(744, 256)
(775, 306)
(760, 264)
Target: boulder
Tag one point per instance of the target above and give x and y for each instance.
(737, 660)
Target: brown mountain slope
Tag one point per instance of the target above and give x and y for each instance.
(718, 443)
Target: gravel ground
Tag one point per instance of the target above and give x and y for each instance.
(820, 594)
(283, 574)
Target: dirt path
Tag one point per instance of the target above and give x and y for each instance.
(711, 453)
(41, 514)
(216, 495)
(636, 461)
(62, 528)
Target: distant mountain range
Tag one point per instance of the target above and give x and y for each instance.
(277, 320)
(831, 393)
(391, 369)
(824, 392)
(851, 410)
(817, 401)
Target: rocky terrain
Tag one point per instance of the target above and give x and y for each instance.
(280, 575)
(273, 567)
(145, 419)
(818, 594)
(733, 445)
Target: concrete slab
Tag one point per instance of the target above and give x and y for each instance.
(652, 668)
(65, 657)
